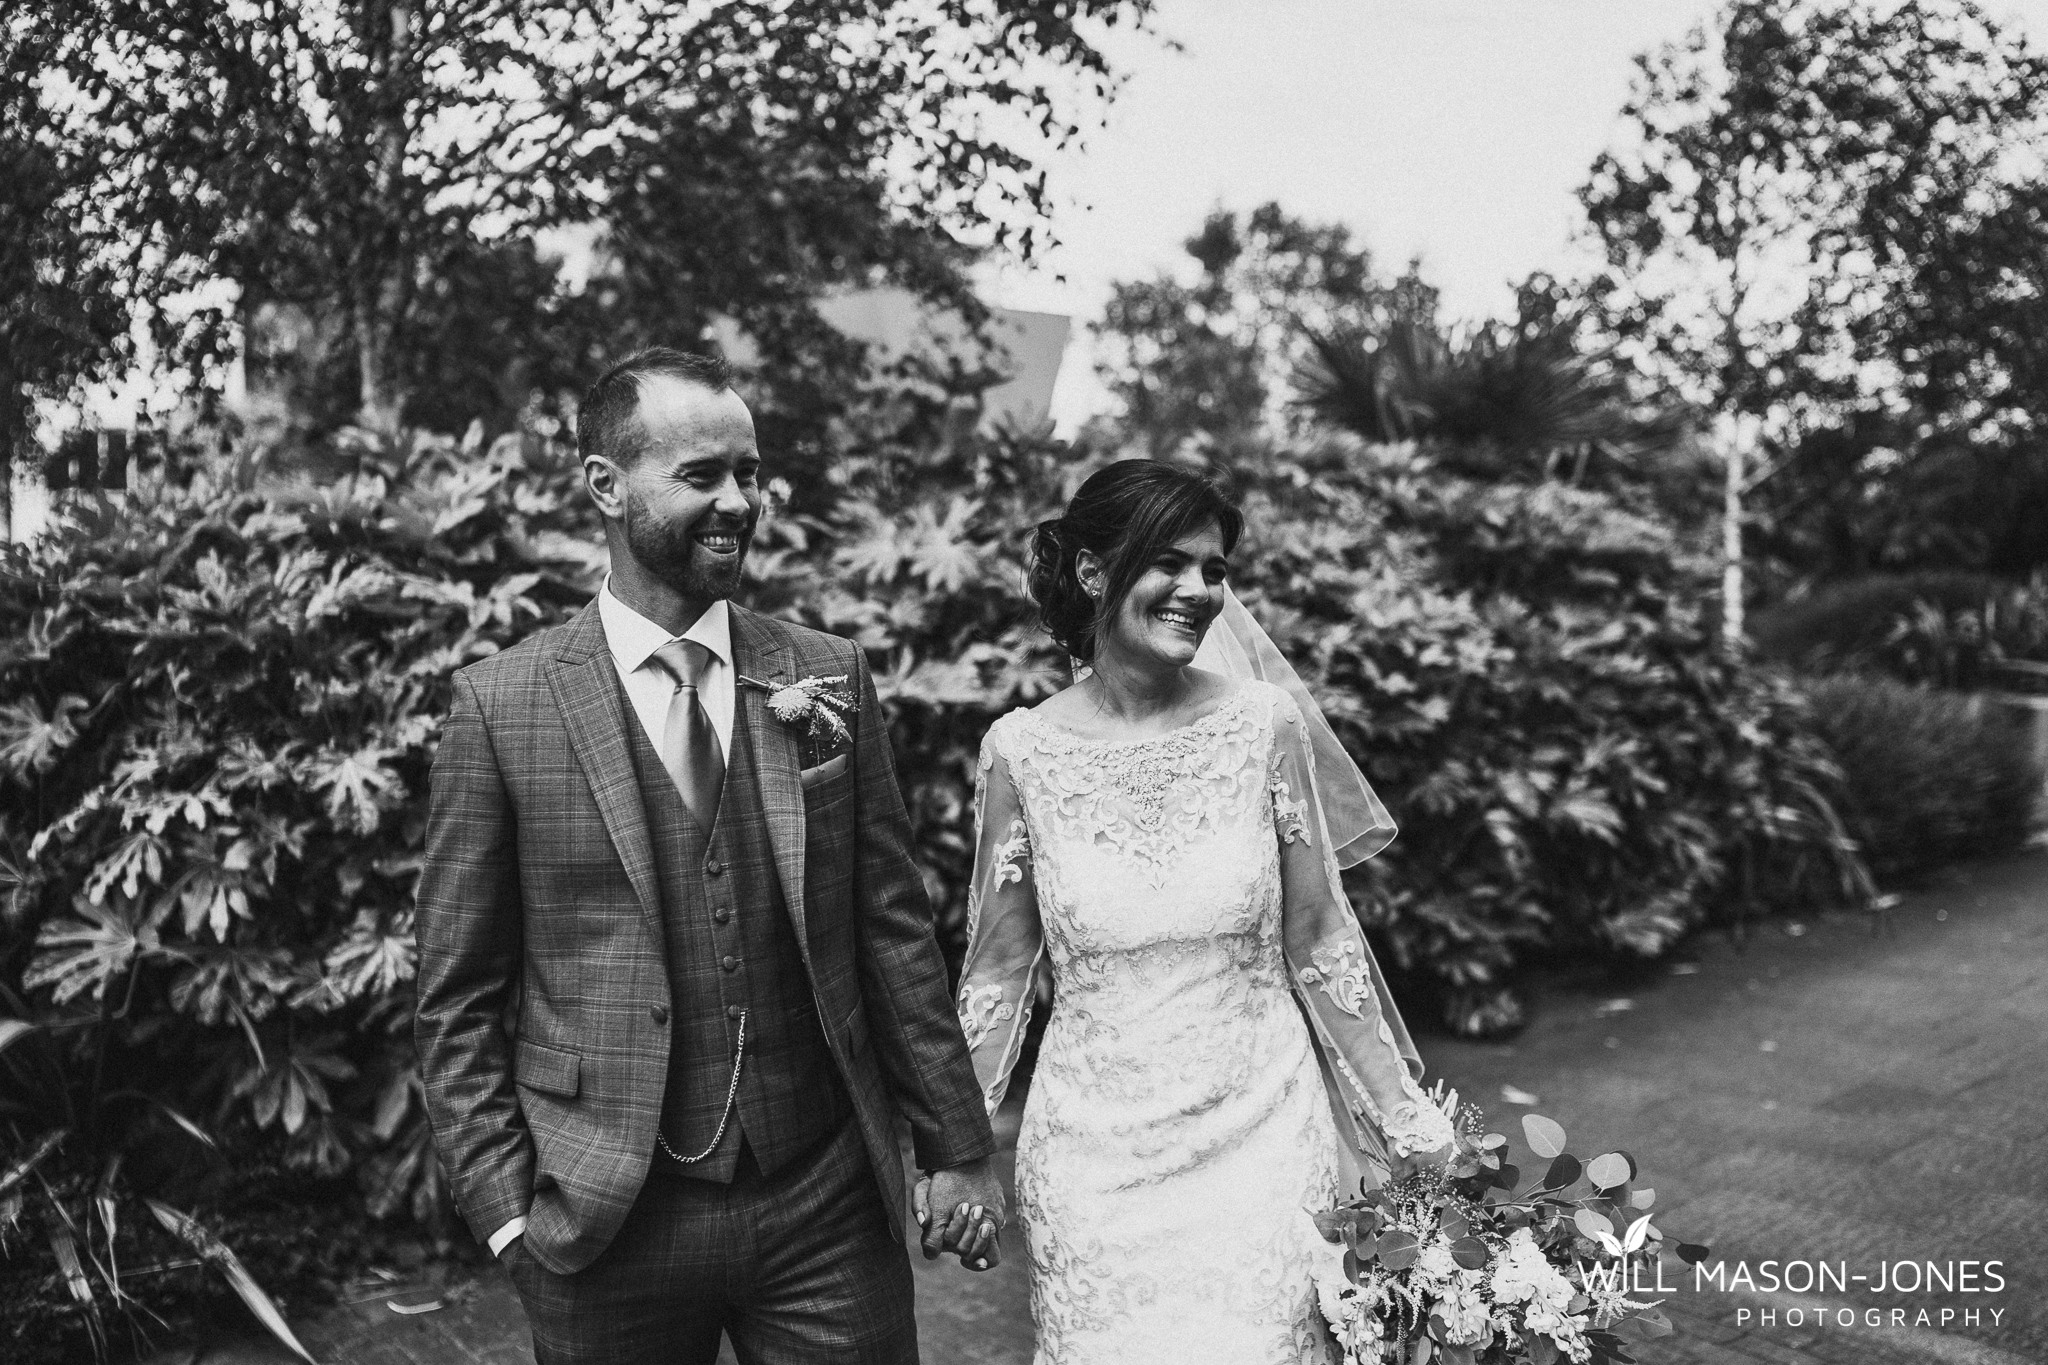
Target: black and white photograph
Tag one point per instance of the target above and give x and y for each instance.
(1023, 682)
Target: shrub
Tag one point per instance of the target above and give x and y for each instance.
(1527, 673)
(217, 712)
(1945, 629)
(1932, 777)
(1524, 670)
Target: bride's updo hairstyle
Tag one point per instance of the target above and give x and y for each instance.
(1126, 514)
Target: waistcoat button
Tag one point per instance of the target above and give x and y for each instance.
(729, 962)
(713, 868)
(659, 1013)
(721, 914)
(733, 1011)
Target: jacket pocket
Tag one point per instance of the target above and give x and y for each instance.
(550, 1070)
(857, 1031)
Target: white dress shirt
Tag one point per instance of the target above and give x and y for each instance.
(633, 639)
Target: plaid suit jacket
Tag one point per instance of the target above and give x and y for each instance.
(543, 981)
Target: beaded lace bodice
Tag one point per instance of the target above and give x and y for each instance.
(1188, 852)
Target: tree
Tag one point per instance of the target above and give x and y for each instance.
(58, 316)
(1819, 200)
(1211, 362)
(345, 157)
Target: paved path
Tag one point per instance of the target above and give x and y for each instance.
(1825, 1093)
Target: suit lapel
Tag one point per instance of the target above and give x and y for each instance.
(762, 653)
(593, 705)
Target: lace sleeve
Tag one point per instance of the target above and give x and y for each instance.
(1004, 939)
(1333, 970)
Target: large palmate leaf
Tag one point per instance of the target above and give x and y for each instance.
(370, 960)
(92, 947)
(294, 1088)
(938, 547)
(359, 786)
(236, 980)
(32, 739)
(134, 862)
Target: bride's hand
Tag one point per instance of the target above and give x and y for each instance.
(962, 1210)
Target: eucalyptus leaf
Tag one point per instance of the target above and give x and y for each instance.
(1470, 1253)
(1397, 1250)
(1608, 1171)
(1639, 1327)
(1545, 1136)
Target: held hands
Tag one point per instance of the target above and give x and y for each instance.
(962, 1210)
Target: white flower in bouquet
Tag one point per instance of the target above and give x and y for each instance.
(1468, 1318)
(1360, 1335)
(1520, 1269)
(1352, 1311)
(1354, 1317)
(1561, 1327)
(1435, 1263)
(1522, 1275)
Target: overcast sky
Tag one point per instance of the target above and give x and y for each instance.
(1453, 130)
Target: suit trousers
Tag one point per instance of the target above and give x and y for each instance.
(798, 1268)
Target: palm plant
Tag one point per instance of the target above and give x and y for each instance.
(1500, 399)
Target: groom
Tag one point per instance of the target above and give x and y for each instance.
(676, 965)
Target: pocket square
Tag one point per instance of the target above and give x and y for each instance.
(823, 772)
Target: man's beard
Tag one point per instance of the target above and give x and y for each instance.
(671, 554)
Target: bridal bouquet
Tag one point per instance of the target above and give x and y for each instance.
(1449, 1265)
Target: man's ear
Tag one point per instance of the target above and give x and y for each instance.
(605, 483)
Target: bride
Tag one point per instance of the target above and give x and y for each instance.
(1222, 1043)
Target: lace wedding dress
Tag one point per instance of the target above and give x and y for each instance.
(1178, 1125)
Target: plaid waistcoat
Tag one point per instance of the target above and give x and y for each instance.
(731, 949)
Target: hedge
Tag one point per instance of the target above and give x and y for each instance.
(1932, 777)
(1944, 629)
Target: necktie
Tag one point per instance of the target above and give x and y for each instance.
(689, 746)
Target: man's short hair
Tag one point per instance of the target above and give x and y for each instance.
(606, 423)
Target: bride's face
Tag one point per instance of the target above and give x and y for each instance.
(1164, 616)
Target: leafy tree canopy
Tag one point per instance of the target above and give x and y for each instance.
(1816, 195)
(56, 313)
(1828, 216)
(1210, 362)
(361, 159)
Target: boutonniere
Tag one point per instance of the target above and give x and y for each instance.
(815, 703)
